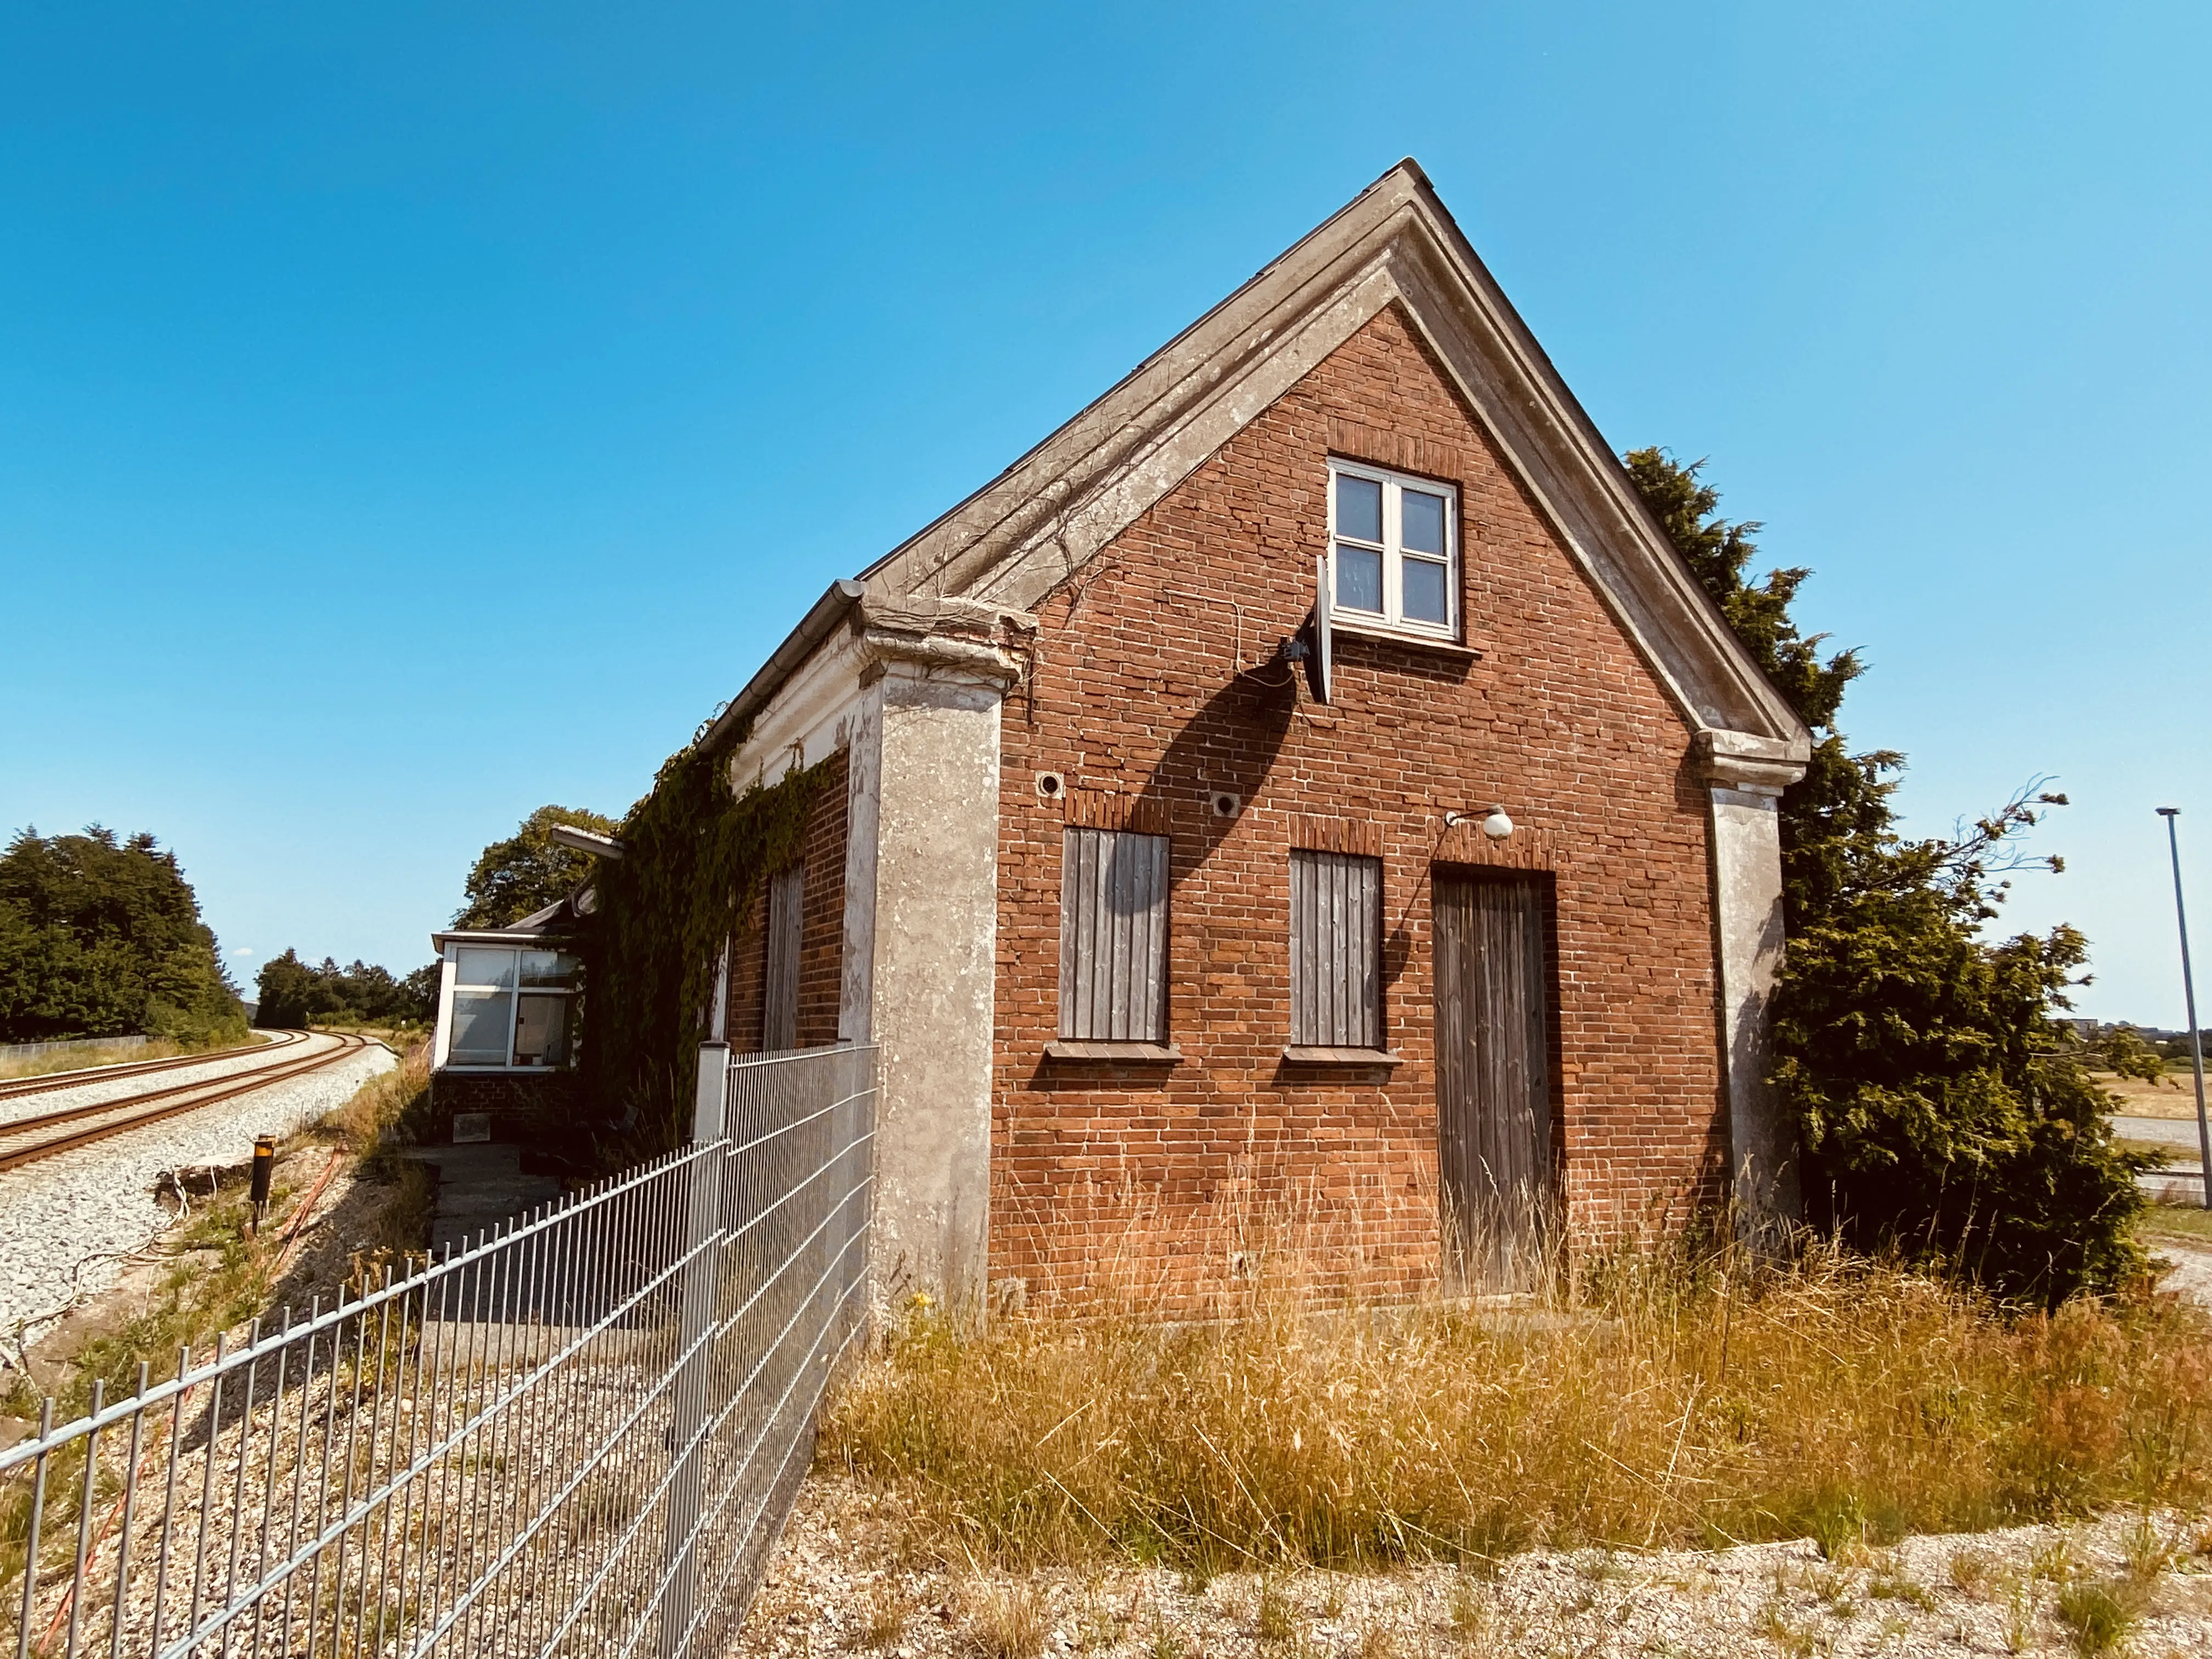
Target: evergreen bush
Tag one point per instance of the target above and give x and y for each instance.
(1944, 1110)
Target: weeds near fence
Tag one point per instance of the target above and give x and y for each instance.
(1671, 1397)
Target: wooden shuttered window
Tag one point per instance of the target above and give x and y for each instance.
(1336, 950)
(786, 893)
(1113, 937)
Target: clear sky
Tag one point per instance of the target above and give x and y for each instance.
(412, 415)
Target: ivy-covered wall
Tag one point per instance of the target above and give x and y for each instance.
(692, 850)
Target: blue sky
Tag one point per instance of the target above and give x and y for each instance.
(409, 417)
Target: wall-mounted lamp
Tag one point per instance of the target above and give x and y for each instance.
(1495, 823)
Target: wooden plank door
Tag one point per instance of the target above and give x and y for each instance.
(1493, 997)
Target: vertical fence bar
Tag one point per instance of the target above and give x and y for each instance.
(696, 1293)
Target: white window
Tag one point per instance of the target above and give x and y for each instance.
(1393, 550)
(1113, 936)
(511, 1007)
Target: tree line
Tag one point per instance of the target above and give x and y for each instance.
(294, 993)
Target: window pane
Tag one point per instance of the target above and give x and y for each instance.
(1425, 593)
(479, 966)
(1113, 937)
(541, 1031)
(1421, 521)
(1358, 579)
(1359, 508)
(547, 968)
(480, 1021)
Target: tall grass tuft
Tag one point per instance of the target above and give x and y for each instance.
(1670, 1399)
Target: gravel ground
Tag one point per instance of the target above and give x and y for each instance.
(122, 1088)
(836, 1585)
(68, 1223)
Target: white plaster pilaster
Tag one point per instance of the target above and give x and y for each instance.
(920, 972)
(1763, 1153)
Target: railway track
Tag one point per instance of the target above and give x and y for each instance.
(39, 1085)
(27, 1139)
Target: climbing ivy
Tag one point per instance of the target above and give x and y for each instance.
(692, 850)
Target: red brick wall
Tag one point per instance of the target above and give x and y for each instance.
(523, 1105)
(820, 930)
(1134, 696)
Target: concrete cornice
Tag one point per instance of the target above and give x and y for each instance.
(938, 655)
(1740, 760)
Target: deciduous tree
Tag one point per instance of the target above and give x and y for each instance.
(529, 870)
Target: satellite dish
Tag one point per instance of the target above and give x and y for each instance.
(1318, 665)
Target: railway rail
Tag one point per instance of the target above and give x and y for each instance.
(27, 1139)
(76, 1079)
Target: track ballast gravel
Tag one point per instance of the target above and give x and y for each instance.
(68, 1223)
(99, 1091)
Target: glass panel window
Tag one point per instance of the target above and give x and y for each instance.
(1426, 599)
(490, 1027)
(549, 968)
(1358, 507)
(541, 1031)
(1394, 547)
(1359, 579)
(1421, 522)
(476, 965)
(481, 1022)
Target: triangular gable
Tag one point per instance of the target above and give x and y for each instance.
(1034, 525)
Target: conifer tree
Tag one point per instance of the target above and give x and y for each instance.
(1942, 1110)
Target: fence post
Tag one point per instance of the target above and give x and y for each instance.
(696, 1302)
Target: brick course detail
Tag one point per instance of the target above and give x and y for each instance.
(1155, 685)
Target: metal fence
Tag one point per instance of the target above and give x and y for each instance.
(578, 1434)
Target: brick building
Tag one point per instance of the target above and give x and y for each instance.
(1307, 775)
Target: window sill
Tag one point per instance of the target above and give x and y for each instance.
(1390, 636)
(1140, 1052)
(505, 1071)
(1299, 1055)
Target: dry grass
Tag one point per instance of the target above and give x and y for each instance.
(379, 1112)
(1006, 1621)
(1666, 1401)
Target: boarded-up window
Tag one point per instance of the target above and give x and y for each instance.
(1336, 938)
(786, 893)
(1113, 937)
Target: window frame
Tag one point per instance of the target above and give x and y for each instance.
(1315, 984)
(1155, 942)
(1391, 621)
(452, 986)
(783, 923)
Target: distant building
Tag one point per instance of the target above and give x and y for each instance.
(506, 1035)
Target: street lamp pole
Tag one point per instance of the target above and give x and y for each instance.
(2189, 1001)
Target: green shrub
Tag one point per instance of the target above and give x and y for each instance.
(1943, 1113)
